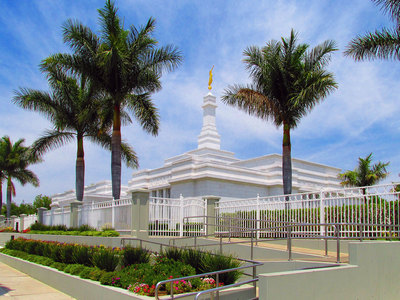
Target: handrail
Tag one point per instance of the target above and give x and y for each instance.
(289, 234)
(216, 273)
(224, 287)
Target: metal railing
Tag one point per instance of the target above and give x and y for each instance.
(287, 231)
(254, 280)
(252, 264)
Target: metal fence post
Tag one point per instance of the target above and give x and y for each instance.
(258, 218)
(289, 241)
(180, 215)
(113, 213)
(322, 213)
(337, 227)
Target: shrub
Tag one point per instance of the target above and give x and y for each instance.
(74, 269)
(108, 278)
(66, 251)
(211, 263)
(58, 265)
(82, 255)
(194, 258)
(105, 259)
(173, 253)
(96, 273)
(135, 255)
(85, 272)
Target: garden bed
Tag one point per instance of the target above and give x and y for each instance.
(132, 269)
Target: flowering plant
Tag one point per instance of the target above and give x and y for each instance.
(208, 283)
(142, 289)
(179, 286)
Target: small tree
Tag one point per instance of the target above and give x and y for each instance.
(365, 174)
(41, 201)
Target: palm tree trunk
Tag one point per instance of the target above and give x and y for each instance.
(286, 160)
(1, 195)
(80, 169)
(9, 195)
(116, 153)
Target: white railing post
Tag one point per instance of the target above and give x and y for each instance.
(258, 221)
(181, 215)
(113, 213)
(322, 213)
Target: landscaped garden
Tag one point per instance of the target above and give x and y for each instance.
(133, 268)
(86, 230)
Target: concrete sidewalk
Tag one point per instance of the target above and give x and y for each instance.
(17, 285)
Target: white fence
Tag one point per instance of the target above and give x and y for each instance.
(113, 213)
(166, 216)
(16, 224)
(375, 206)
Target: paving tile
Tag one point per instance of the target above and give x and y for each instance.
(17, 285)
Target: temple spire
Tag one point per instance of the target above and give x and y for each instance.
(209, 137)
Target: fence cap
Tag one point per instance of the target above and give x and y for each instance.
(23, 215)
(211, 197)
(139, 191)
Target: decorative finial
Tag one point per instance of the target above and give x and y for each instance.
(210, 79)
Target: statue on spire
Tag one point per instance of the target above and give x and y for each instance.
(210, 79)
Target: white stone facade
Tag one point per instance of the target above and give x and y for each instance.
(96, 192)
(211, 171)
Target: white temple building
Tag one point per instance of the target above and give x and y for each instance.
(208, 170)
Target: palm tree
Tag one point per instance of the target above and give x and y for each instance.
(126, 64)
(365, 174)
(384, 43)
(288, 81)
(2, 167)
(74, 109)
(17, 158)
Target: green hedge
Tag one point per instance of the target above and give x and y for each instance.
(129, 268)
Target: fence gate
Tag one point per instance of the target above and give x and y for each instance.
(176, 216)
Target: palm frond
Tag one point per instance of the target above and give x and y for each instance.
(52, 139)
(384, 44)
(145, 112)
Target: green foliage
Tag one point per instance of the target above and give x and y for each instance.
(96, 273)
(173, 253)
(194, 258)
(135, 255)
(74, 269)
(58, 265)
(105, 259)
(16, 210)
(211, 263)
(66, 253)
(82, 255)
(41, 201)
(85, 272)
(107, 278)
(83, 230)
(14, 162)
(365, 174)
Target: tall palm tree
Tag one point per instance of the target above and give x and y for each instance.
(2, 167)
(288, 81)
(384, 43)
(126, 64)
(17, 158)
(74, 109)
(365, 174)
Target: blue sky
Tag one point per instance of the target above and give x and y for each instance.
(358, 118)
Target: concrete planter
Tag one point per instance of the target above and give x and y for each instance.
(79, 288)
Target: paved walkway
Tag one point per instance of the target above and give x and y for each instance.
(17, 285)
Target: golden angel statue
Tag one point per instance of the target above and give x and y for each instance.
(210, 79)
